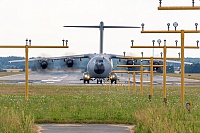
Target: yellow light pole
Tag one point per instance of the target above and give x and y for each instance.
(141, 79)
(134, 83)
(164, 72)
(165, 58)
(151, 77)
(182, 49)
(26, 71)
(178, 7)
(182, 39)
(26, 47)
(141, 71)
(128, 81)
(182, 69)
(121, 81)
(134, 72)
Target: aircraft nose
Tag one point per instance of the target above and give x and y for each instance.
(99, 68)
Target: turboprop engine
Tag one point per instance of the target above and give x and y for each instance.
(42, 65)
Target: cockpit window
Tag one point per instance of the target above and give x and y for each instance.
(99, 61)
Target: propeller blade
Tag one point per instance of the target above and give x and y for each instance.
(103, 26)
(121, 27)
(83, 26)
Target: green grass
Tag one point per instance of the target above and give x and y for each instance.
(98, 104)
(9, 73)
(14, 121)
(186, 75)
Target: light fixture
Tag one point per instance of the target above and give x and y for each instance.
(132, 42)
(196, 24)
(179, 54)
(150, 97)
(124, 53)
(153, 42)
(29, 42)
(160, 2)
(26, 41)
(176, 41)
(168, 24)
(197, 43)
(142, 54)
(63, 42)
(164, 42)
(175, 24)
(66, 42)
(161, 54)
(188, 106)
(159, 41)
(193, 3)
(165, 100)
(142, 26)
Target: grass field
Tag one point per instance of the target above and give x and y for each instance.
(98, 104)
(10, 73)
(186, 75)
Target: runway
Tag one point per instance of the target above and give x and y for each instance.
(84, 128)
(73, 78)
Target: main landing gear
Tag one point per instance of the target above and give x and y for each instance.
(113, 81)
(84, 81)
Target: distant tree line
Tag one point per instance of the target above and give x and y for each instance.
(194, 68)
(4, 63)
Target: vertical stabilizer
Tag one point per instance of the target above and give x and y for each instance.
(101, 37)
(101, 28)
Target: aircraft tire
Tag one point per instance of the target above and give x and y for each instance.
(111, 81)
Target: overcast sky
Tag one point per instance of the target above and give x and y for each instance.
(42, 21)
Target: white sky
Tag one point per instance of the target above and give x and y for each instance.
(42, 21)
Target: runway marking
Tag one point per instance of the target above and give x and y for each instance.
(64, 76)
(11, 76)
(51, 80)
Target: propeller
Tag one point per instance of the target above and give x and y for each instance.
(43, 65)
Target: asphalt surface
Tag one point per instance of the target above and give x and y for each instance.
(84, 128)
(65, 78)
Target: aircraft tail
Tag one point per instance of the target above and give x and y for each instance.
(101, 28)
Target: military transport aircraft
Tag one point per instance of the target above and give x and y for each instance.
(99, 66)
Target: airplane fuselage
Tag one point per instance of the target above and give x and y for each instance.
(99, 66)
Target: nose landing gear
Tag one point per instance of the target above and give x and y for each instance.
(99, 81)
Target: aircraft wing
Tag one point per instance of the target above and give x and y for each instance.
(168, 61)
(55, 58)
(114, 56)
(179, 62)
(66, 63)
(71, 57)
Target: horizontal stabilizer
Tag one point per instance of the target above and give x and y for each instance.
(103, 26)
(121, 27)
(83, 26)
